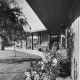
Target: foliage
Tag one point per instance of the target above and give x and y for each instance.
(12, 20)
(44, 46)
(52, 66)
(71, 38)
(18, 35)
(8, 14)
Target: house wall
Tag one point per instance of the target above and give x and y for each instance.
(73, 24)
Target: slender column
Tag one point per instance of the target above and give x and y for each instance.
(66, 39)
(79, 49)
(26, 41)
(32, 41)
(49, 37)
(40, 37)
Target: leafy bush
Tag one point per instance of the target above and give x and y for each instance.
(52, 66)
(43, 47)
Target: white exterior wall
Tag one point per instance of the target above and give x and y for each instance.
(75, 63)
(74, 19)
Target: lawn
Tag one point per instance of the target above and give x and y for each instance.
(13, 68)
(13, 71)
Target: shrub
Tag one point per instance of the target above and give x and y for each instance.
(52, 66)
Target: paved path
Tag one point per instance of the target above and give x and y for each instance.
(34, 52)
(8, 55)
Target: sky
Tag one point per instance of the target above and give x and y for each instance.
(32, 18)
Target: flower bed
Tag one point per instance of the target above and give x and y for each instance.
(52, 66)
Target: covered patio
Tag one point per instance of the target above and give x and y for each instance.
(61, 17)
(53, 14)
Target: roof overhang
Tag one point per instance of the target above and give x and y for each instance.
(52, 13)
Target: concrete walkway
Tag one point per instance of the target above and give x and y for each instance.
(8, 55)
(34, 52)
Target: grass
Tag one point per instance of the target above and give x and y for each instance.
(13, 68)
(14, 71)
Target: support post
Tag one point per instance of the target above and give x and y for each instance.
(40, 38)
(26, 41)
(66, 39)
(32, 41)
(49, 37)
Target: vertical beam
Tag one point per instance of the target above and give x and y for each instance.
(79, 39)
(49, 37)
(58, 41)
(79, 50)
(39, 37)
(58, 37)
(26, 41)
(66, 39)
(32, 41)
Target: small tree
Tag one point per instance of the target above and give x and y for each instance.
(10, 23)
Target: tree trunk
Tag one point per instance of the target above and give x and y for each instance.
(21, 43)
(14, 49)
(2, 46)
(26, 42)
